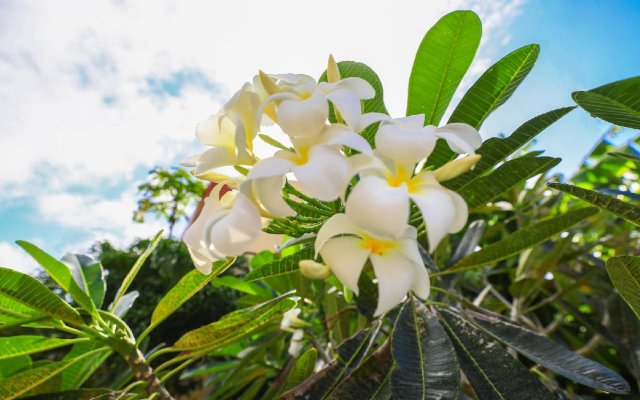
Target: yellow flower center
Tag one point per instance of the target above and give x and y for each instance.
(376, 246)
(302, 156)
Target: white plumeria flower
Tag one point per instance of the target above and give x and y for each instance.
(301, 105)
(226, 226)
(296, 344)
(320, 168)
(230, 133)
(380, 203)
(346, 247)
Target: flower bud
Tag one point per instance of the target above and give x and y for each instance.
(456, 168)
(314, 270)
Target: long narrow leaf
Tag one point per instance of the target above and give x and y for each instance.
(21, 288)
(624, 272)
(281, 266)
(128, 280)
(617, 102)
(550, 355)
(61, 274)
(495, 86)
(522, 239)
(624, 210)
(28, 344)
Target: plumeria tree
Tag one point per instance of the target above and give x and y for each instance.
(391, 257)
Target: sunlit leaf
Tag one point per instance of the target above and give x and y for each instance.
(281, 266)
(617, 102)
(28, 344)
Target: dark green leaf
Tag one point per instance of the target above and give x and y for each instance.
(322, 383)
(281, 266)
(367, 299)
(442, 59)
(426, 366)
(128, 280)
(495, 86)
(627, 334)
(624, 272)
(302, 369)
(493, 373)
(550, 355)
(75, 375)
(617, 102)
(89, 275)
(60, 273)
(23, 289)
(495, 150)
(469, 241)
(83, 394)
(10, 366)
(370, 381)
(507, 176)
(624, 210)
(522, 239)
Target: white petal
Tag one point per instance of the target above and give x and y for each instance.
(303, 117)
(325, 175)
(395, 275)
(195, 237)
(346, 257)
(368, 119)
(337, 134)
(190, 161)
(410, 121)
(235, 233)
(421, 283)
(378, 208)
(462, 138)
(268, 191)
(347, 104)
(406, 144)
(409, 249)
(217, 130)
(338, 224)
(269, 167)
(439, 212)
(212, 159)
(462, 212)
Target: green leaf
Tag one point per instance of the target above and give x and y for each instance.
(23, 382)
(89, 275)
(10, 366)
(28, 344)
(623, 210)
(376, 104)
(187, 287)
(76, 375)
(426, 366)
(627, 334)
(617, 102)
(507, 176)
(321, 384)
(493, 373)
(125, 304)
(370, 381)
(128, 280)
(241, 285)
(234, 326)
(624, 272)
(495, 150)
(550, 355)
(23, 289)
(444, 56)
(302, 369)
(495, 86)
(281, 266)
(83, 394)
(61, 274)
(522, 239)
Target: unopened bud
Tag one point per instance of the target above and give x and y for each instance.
(456, 168)
(269, 85)
(313, 270)
(333, 72)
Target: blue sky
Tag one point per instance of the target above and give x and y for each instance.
(93, 94)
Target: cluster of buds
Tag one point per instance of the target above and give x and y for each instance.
(326, 161)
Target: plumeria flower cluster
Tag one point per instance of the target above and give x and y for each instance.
(328, 162)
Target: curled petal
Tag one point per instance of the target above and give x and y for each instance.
(410, 121)
(337, 134)
(421, 284)
(236, 232)
(358, 86)
(268, 191)
(299, 118)
(339, 224)
(346, 257)
(441, 211)
(378, 208)
(462, 138)
(217, 130)
(212, 159)
(325, 175)
(406, 144)
(395, 274)
(347, 104)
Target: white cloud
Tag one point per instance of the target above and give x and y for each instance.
(12, 256)
(77, 79)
